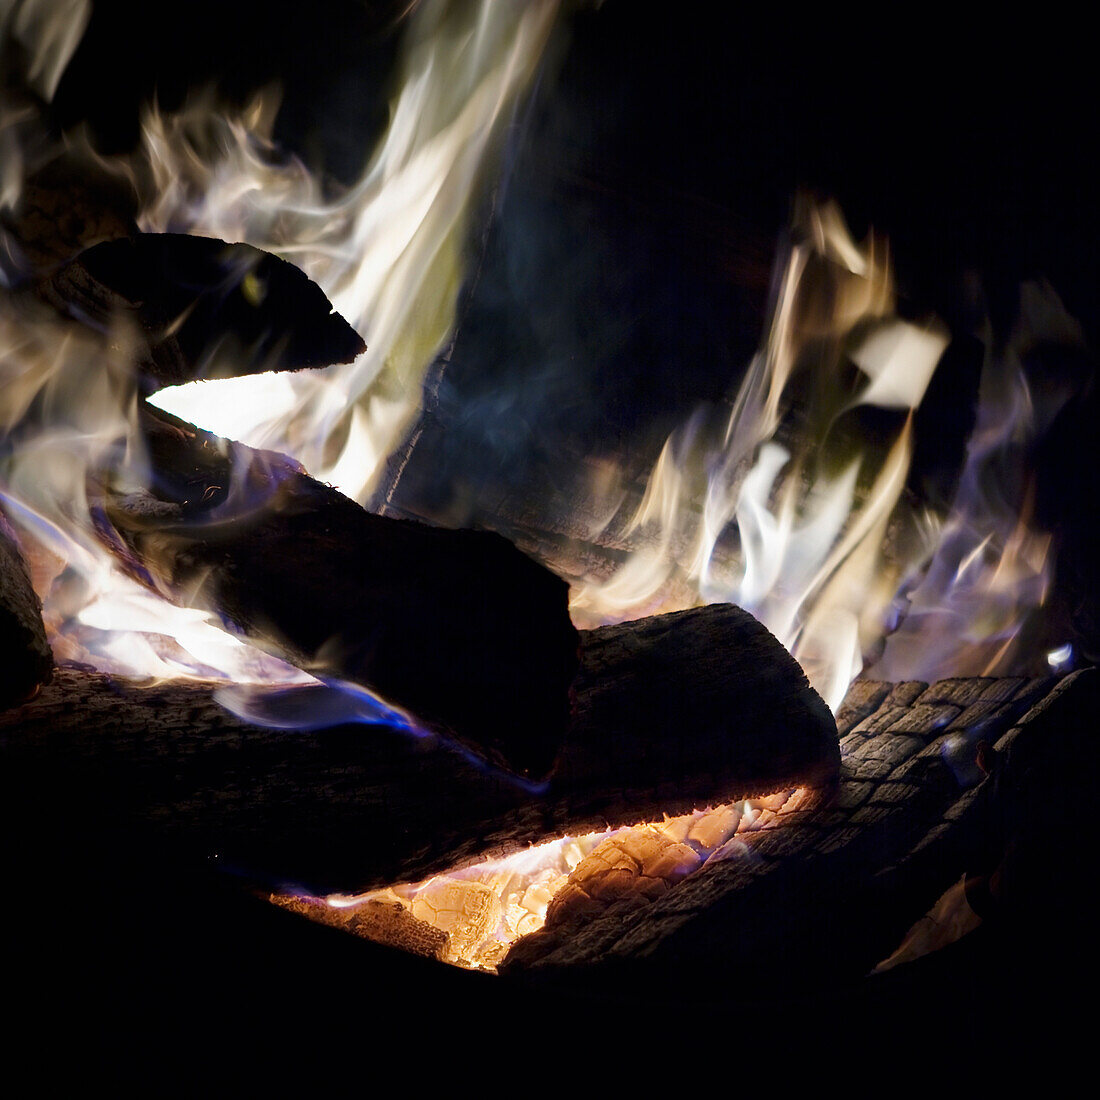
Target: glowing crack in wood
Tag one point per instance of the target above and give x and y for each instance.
(471, 917)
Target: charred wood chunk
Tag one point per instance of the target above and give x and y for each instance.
(26, 661)
(458, 627)
(204, 308)
(714, 692)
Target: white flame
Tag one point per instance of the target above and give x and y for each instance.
(388, 253)
(810, 562)
(49, 31)
(66, 402)
(804, 532)
(823, 551)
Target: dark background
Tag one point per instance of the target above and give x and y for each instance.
(625, 278)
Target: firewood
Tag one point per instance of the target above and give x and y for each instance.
(671, 713)
(818, 898)
(26, 661)
(457, 627)
(387, 923)
(204, 308)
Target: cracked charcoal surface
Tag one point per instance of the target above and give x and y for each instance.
(819, 893)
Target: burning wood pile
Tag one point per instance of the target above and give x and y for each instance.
(581, 764)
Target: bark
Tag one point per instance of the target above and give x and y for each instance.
(457, 627)
(66, 206)
(671, 713)
(818, 898)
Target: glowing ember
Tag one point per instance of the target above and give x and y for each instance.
(472, 916)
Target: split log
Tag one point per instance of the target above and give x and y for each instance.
(204, 308)
(458, 627)
(671, 713)
(25, 658)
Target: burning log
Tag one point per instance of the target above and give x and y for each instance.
(819, 897)
(204, 308)
(25, 655)
(458, 627)
(671, 712)
(67, 206)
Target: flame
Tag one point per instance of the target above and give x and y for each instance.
(772, 507)
(66, 409)
(824, 547)
(809, 562)
(49, 32)
(387, 253)
(778, 505)
(989, 568)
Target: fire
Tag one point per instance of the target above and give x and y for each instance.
(776, 508)
(66, 406)
(470, 917)
(803, 528)
(821, 545)
(810, 560)
(387, 253)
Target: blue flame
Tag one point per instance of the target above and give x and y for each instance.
(321, 704)
(326, 703)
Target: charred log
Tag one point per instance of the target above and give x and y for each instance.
(458, 627)
(671, 713)
(203, 308)
(820, 897)
(25, 658)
